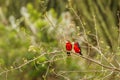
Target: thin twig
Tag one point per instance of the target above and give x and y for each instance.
(96, 32)
(96, 35)
(57, 74)
(107, 75)
(62, 72)
(53, 25)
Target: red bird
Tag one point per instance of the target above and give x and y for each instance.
(77, 48)
(68, 47)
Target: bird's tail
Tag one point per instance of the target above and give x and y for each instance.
(80, 53)
(68, 53)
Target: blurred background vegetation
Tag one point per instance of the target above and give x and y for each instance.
(31, 28)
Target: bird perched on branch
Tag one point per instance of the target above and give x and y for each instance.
(68, 47)
(77, 48)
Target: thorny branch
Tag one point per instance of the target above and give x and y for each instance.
(99, 63)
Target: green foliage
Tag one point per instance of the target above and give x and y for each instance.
(34, 14)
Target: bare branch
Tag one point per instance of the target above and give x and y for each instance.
(99, 63)
(9, 70)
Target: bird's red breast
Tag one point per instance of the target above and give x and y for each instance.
(68, 46)
(77, 48)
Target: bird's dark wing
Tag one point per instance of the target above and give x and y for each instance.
(80, 49)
